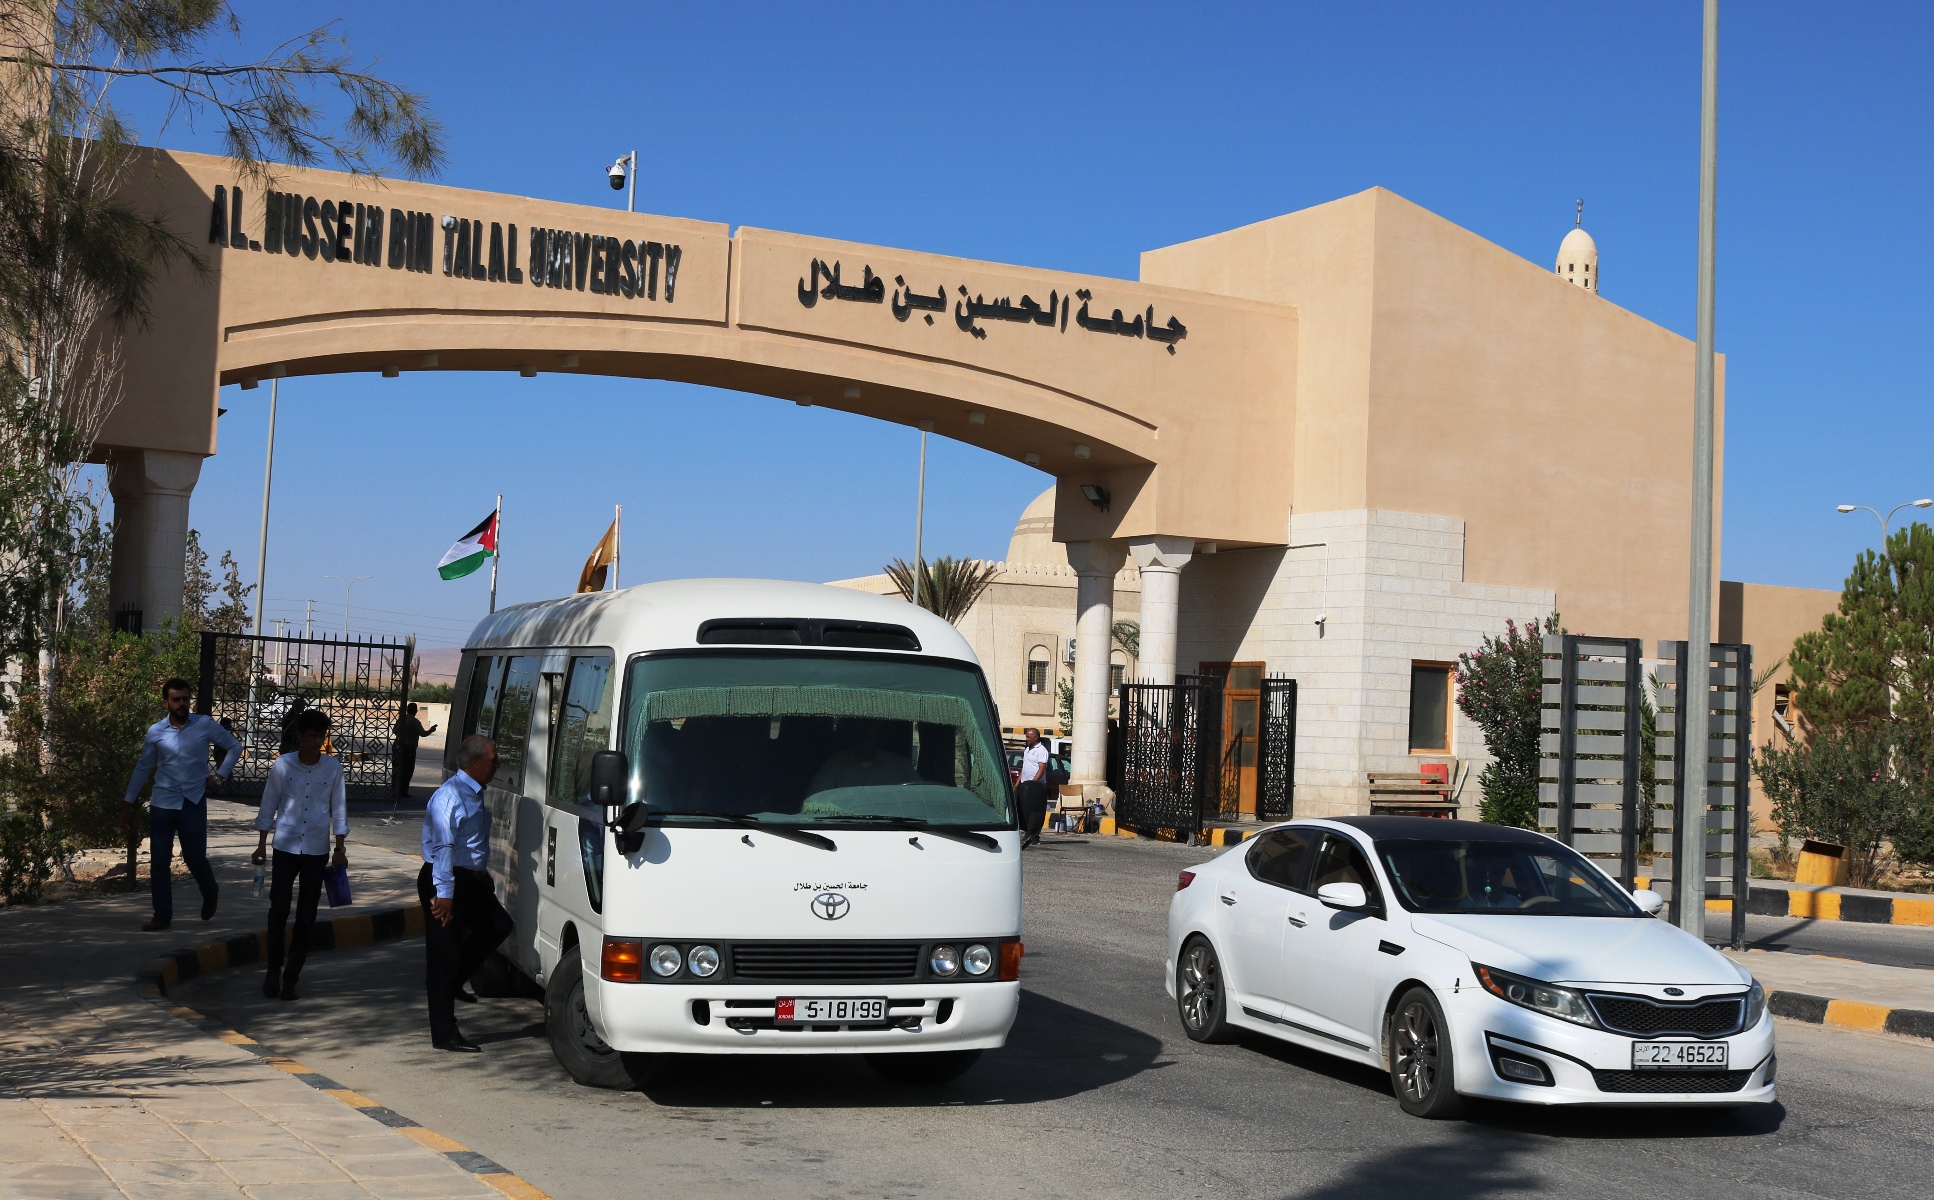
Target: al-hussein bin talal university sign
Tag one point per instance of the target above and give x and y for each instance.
(351, 232)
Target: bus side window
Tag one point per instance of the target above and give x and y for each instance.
(479, 700)
(583, 728)
(515, 700)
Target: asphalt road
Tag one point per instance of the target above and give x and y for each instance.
(1097, 1092)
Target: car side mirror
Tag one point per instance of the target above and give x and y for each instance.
(1649, 901)
(610, 778)
(1348, 896)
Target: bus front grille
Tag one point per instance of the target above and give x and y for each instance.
(829, 962)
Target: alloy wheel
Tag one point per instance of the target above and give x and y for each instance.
(1417, 1051)
(1201, 986)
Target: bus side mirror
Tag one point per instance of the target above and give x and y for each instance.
(610, 778)
(633, 820)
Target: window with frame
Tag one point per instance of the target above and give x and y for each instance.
(1039, 670)
(583, 726)
(1430, 692)
(1280, 857)
(516, 698)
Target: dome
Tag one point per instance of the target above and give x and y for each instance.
(1578, 260)
(1033, 540)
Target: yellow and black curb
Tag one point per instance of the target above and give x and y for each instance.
(1851, 1014)
(1828, 904)
(1221, 836)
(339, 933)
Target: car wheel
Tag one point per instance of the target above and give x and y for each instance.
(924, 1070)
(1200, 997)
(574, 1039)
(1421, 1066)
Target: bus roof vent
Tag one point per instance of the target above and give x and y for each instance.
(792, 631)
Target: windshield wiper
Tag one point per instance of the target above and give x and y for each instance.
(971, 837)
(784, 831)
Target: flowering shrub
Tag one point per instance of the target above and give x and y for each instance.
(1500, 688)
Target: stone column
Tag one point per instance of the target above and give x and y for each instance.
(1161, 560)
(1095, 565)
(151, 490)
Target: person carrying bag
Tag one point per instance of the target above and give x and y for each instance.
(303, 803)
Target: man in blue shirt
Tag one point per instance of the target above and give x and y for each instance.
(463, 923)
(175, 752)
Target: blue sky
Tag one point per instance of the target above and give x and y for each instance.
(1074, 137)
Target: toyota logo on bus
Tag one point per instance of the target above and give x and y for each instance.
(831, 906)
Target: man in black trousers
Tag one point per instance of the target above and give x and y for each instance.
(463, 922)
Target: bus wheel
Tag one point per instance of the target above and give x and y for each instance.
(574, 1039)
(927, 1070)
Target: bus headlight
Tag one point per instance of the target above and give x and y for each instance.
(665, 960)
(945, 960)
(978, 959)
(703, 960)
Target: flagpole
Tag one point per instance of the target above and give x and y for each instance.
(498, 552)
(618, 537)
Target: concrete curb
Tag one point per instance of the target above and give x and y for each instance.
(1817, 903)
(333, 933)
(1851, 1014)
(1221, 836)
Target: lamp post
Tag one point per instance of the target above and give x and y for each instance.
(346, 585)
(920, 516)
(1886, 520)
(625, 170)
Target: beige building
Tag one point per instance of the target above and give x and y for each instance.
(1342, 444)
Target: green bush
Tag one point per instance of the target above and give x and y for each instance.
(432, 693)
(1841, 787)
(1500, 688)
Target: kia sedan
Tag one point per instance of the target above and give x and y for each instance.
(1467, 960)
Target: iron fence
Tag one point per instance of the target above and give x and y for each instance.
(1170, 754)
(1276, 750)
(256, 685)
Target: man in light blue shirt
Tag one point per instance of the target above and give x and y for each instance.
(463, 923)
(175, 752)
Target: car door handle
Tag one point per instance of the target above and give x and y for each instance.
(1228, 899)
(1297, 921)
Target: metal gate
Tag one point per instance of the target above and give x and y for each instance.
(1276, 750)
(255, 686)
(1170, 754)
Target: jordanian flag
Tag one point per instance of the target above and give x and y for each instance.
(470, 551)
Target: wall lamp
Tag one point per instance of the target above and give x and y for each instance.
(1097, 496)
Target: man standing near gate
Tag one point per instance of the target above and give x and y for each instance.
(463, 922)
(175, 752)
(409, 731)
(1032, 792)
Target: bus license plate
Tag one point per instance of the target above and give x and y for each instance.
(841, 1011)
(1679, 1056)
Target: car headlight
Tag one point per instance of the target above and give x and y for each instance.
(703, 960)
(1547, 998)
(1755, 1005)
(665, 960)
(978, 959)
(945, 960)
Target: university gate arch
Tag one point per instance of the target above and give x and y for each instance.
(1166, 416)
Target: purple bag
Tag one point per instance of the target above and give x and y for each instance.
(335, 881)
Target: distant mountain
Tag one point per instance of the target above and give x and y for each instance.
(437, 664)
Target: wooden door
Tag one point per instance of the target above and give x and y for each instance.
(1241, 717)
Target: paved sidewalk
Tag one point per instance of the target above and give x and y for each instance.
(106, 1094)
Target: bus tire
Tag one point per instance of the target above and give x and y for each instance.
(930, 1069)
(574, 1039)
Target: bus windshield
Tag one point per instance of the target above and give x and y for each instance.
(812, 739)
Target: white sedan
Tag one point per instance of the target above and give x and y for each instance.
(1467, 960)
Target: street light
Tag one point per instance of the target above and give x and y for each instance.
(346, 585)
(1888, 519)
(624, 169)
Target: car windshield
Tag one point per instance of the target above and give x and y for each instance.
(1524, 878)
(809, 739)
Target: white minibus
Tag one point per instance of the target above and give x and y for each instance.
(748, 817)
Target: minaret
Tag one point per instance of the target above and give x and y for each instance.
(1578, 255)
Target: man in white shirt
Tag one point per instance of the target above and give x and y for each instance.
(1032, 794)
(175, 751)
(303, 802)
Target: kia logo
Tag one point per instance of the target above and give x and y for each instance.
(830, 906)
(1674, 991)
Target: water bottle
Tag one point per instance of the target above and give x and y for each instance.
(258, 881)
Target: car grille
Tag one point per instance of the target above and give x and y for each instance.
(1659, 1082)
(1640, 1017)
(829, 962)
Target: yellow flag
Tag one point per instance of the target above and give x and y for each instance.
(598, 566)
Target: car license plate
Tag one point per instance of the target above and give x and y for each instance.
(1678, 1056)
(840, 1011)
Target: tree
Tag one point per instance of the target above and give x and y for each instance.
(77, 262)
(948, 586)
(1843, 786)
(1500, 687)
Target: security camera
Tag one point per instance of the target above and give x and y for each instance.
(617, 174)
